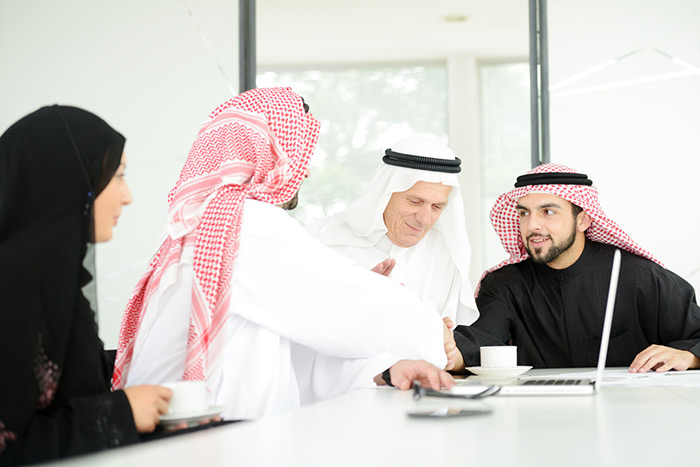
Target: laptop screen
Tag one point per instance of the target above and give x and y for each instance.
(607, 322)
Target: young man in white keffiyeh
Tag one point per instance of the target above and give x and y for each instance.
(241, 296)
(548, 297)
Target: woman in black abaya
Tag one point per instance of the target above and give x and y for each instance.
(62, 188)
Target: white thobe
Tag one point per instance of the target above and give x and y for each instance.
(426, 269)
(304, 323)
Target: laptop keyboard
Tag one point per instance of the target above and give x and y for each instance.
(551, 382)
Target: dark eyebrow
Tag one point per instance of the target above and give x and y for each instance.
(541, 206)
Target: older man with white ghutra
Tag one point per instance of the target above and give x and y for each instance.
(411, 219)
(548, 297)
(241, 296)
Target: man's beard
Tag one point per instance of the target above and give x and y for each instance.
(292, 203)
(555, 250)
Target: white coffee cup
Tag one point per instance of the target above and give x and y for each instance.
(189, 397)
(500, 356)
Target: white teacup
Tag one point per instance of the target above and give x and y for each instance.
(500, 356)
(189, 397)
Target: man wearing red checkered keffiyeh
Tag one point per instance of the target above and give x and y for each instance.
(240, 296)
(548, 298)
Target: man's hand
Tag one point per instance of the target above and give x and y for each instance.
(661, 358)
(454, 357)
(404, 372)
(385, 267)
(148, 403)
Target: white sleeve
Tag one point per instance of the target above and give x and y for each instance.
(161, 344)
(288, 282)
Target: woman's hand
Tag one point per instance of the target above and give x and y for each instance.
(148, 403)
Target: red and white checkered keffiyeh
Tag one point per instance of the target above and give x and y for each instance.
(257, 145)
(506, 222)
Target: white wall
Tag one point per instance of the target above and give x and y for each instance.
(633, 126)
(144, 67)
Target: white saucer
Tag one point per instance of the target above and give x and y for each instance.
(499, 372)
(191, 419)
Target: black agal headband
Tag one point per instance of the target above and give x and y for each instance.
(432, 164)
(553, 178)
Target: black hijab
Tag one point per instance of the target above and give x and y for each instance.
(53, 164)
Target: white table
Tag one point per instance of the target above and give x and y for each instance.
(620, 426)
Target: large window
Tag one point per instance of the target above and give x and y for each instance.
(505, 140)
(363, 111)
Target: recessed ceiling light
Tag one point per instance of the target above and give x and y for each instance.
(455, 18)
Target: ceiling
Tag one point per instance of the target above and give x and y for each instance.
(323, 31)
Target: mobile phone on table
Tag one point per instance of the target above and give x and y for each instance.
(446, 412)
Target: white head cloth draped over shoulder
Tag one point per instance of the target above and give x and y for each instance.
(256, 145)
(362, 222)
(506, 223)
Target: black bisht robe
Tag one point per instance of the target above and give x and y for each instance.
(555, 317)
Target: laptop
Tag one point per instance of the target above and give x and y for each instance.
(552, 385)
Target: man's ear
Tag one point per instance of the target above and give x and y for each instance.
(583, 221)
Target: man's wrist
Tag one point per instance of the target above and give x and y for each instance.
(694, 361)
(386, 376)
(459, 364)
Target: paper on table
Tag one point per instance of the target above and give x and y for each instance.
(670, 378)
(625, 378)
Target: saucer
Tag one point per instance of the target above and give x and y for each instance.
(499, 372)
(190, 418)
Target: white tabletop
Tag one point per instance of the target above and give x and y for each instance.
(618, 426)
